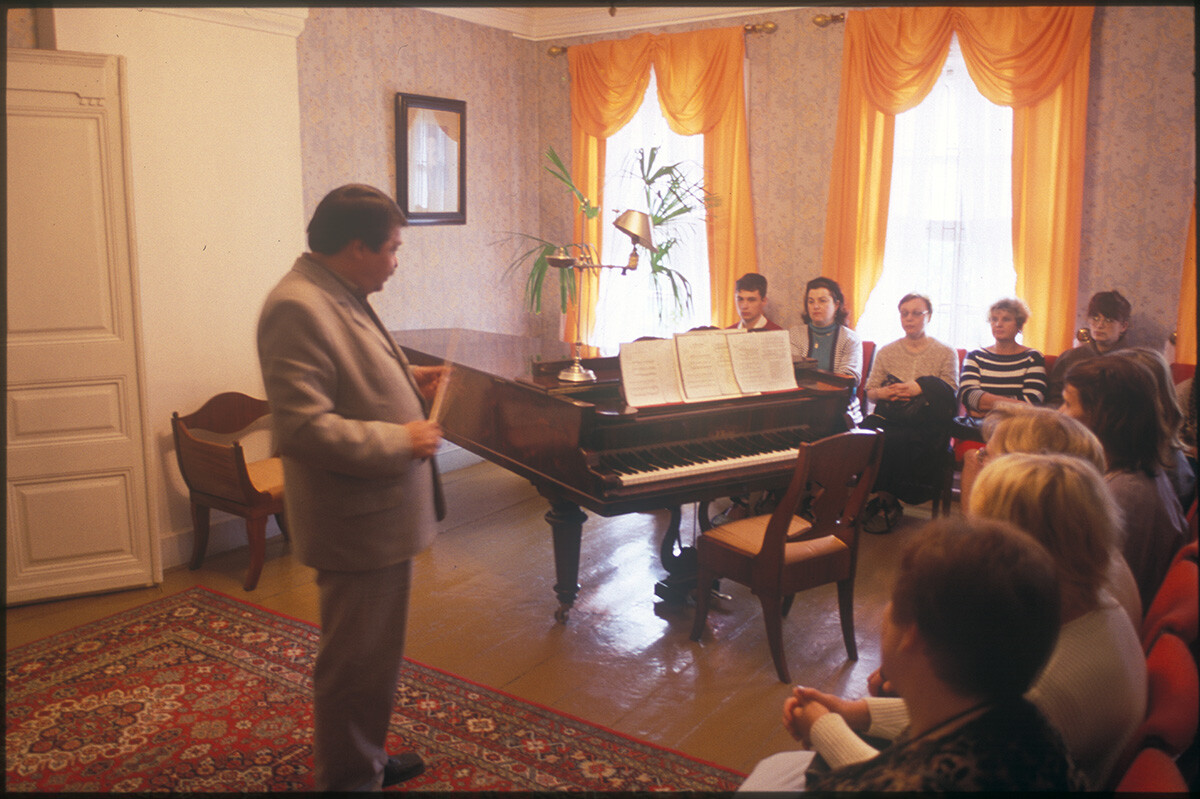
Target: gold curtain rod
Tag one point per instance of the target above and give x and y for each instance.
(761, 27)
(825, 20)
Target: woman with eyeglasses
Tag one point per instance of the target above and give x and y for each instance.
(912, 385)
(1108, 320)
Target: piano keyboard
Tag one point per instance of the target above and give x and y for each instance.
(636, 467)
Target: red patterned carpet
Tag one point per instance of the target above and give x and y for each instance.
(201, 692)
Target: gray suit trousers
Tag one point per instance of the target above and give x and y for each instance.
(363, 616)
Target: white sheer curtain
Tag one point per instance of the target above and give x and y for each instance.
(627, 308)
(433, 163)
(949, 232)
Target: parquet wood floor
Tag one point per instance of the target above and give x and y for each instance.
(483, 609)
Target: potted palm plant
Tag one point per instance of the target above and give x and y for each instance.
(670, 195)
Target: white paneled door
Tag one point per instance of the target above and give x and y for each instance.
(78, 515)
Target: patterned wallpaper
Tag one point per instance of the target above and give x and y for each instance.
(1138, 190)
(352, 62)
(1141, 162)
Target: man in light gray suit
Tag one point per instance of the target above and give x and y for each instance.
(349, 420)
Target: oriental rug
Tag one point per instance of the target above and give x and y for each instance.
(199, 692)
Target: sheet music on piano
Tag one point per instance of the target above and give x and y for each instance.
(705, 365)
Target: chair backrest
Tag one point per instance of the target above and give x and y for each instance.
(832, 481)
(216, 468)
(227, 413)
(1049, 359)
(1175, 607)
(1152, 771)
(868, 348)
(1173, 696)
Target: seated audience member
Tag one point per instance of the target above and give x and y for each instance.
(1108, 320)
(912, 383)
(1005, 371)
(825, 338)
(973, 618)
(1116, 399)
(751, 299)
(1043, 431)
(1064, 503)
(1179, 469)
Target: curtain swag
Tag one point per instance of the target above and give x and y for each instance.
(699, 77)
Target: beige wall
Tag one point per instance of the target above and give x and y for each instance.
(218, 214)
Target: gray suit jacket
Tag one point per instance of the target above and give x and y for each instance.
(340, 392)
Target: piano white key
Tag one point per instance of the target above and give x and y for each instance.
(709, 467)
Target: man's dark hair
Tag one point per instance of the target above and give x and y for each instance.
(351, 212)
(835, 290)
(1111, 304)
(752, 281)
(984, 598)
(1120, 403)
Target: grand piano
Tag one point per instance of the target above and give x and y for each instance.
(581, 446)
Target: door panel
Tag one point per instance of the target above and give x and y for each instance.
(78, 501)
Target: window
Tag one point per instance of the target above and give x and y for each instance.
(949, 232)
(626, 308)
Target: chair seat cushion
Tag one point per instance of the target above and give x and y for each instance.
(267, 475)
(746, 536)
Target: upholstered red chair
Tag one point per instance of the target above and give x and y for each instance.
(785, 552)
(868, 360)
(1173, 698)
(1152, 771)
(1175, 607)
(953, 464)
(217, 475)
(1172, 703)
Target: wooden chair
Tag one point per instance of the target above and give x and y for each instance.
(810, 539)
(217, 475)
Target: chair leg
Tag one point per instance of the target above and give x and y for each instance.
(281, 519)
(256, 531)
(199, 534)
(845, 590)
(787, 604)
(772, 607)
(704, 581)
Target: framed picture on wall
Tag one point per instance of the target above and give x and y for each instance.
(431, 159)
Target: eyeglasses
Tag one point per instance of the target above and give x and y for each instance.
(913, 314)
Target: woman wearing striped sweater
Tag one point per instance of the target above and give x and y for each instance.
(1006, 371)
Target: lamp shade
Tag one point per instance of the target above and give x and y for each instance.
(636, 225)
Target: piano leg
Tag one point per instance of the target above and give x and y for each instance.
(566, 526)
(681, 568)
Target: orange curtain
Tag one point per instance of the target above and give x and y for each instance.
(700, 92)
(1034, 59)
(1185, 326)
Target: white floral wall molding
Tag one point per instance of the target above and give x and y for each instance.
(281, 21)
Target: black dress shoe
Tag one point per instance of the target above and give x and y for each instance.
(401, 767)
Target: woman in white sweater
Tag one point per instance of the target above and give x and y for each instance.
(1092, 690)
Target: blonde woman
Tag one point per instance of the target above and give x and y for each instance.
(1043, 431)
(1093, 690)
